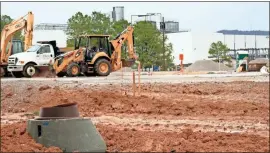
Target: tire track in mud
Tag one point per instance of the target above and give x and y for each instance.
(166, 124)
(177, 125)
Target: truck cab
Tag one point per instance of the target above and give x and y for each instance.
(17, 47)
(26, 64)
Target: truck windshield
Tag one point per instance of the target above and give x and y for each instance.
(33, 48)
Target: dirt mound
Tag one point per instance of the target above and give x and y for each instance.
(185, 141)
(217, 99)
(218, 116)
(45, 71)
(14, 138)
(260, 61)
(207, 65)
(44, 88)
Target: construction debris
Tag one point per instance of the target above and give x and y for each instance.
(257, 64)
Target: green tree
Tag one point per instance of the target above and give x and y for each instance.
(100, 24)
(148, 43)
(5, 19)
(79, 24)
(118, 27)
(219, 51)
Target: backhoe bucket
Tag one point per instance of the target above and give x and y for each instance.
(127, 63)
(44, 71)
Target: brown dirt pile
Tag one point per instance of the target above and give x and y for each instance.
(14, 138)
(132, 140)
(206, 99)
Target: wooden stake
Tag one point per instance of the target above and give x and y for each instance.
(121, 70)
(121, 79)
(134, 86)
(139, 77)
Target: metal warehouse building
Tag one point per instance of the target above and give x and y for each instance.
(195, 45)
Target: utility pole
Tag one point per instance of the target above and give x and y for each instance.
(163, 33)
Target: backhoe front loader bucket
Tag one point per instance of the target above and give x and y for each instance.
(44, 71)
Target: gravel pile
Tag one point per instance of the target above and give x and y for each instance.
(207, 65)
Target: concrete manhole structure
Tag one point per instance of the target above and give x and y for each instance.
(61, 126)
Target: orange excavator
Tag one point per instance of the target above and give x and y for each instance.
(95, 55)
(10, 46)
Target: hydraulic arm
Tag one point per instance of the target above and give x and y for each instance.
(126, 35)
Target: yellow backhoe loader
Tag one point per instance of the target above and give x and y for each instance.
(95, 54)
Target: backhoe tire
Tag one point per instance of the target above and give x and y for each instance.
(103, 67)
(73, 70)
(17, 74)
(29, 70)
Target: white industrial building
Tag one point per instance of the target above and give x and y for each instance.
(118, 13)
(195, 45)
(48, 35)
(48, 32)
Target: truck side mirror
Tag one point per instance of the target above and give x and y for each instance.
(38, 52)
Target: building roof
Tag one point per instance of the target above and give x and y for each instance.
(239, 32)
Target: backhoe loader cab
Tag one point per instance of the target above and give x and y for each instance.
(93, 44)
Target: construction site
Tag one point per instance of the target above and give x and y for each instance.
(93, 98)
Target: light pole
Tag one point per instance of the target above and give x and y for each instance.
(160, 16)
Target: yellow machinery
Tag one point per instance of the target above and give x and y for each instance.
(95, 54)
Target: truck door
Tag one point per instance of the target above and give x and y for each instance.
(45, 55)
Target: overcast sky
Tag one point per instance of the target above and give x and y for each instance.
(197, 16)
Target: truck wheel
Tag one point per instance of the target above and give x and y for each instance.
(103, 67)
(3, 72)
(73, 70)
(17, 74)
(29, 70)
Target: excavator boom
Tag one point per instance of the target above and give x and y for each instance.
(7, 34)
(9, 31)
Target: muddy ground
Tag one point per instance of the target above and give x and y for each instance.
(232, 116)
